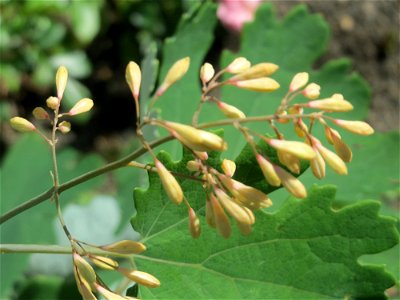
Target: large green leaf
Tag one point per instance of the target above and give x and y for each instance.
(306, 250)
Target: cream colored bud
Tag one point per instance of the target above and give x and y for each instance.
(268, 170)
(194, 224)
(229, 167)
(256, 71)
(235, 210)
(125, 247)
(250, 214)
(22, 125)
(133, 77)
(299, 149)
(357, 127)
(201, 154)
(107, 294)
(170, 184)
(333, 160)
(331, 105)
(210, 219)
(61, 81)
(52, 102)
(291, 183)
(300, 128)
(104, 262)
(221, 219)
(230, 111)
(329, 132)
(175, 73)
(263, 84)
(193, 165)
(312, 91)
(40, 113)
(206, 72)
(318, 165)
(82, 106)
(84, 288)
(85, 270)
(64, 127)
(290, 161)
(299, 80)
(139, 277)
(238, 65)
(341, 148)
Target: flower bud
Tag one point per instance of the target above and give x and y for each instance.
(210, 219)
(318, 165)
(268, 170)
(229, 167)
(291, 183)
(357, 127)
(104, 262)
(22, 125)
(193, 166)
(312, 91)
(221, 219)
(40, 113)
(125, 247)
(300, 128)
(85, 270)
(82, 106)
(171, 186)
(256, 71)
(298, 81)
(329, 132)
(52, 102)
(263, 84)
(107, 294)
(238, 65)
(194, 224)
(201, 154)
(235, 210)
(332, 104)
(334, 161)
(64, 127)
(175, 73)
(139, 277)
(230, 111)
(341, 148)
(288, 160)
(283, 120)
(299, 149)
(206, 72)
(133, 77)
(61, 81)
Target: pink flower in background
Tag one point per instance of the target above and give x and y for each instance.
(234, 13)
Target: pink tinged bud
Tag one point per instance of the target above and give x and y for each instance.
(61, 81)
(268, 170)
(332, 104)
(107, 294)
(171, 186)
(201, 155)
(206, 72)
(299, 149)
(139, 277)
(239, 65)
(290, 161)
(175, 73)
(221, 219)
(133, 77)
(230, 111)
(341, 148)
(357, 127)
(64, 127)
(312, 91)
(235, 210)
(104, 262)
(264, 84)
(194, 224)
(22, 125)
(125, 247)
(40, 113)
(210, 219)
(318, 165)
(256, 71)
(53, 103)
(193, 166)
(82, 106)
(298, 81)
(333, 160)
(291, 183)
(229, 167)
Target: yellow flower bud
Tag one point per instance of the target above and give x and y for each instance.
(328, 134)
(332, 104)
(238, 65)
(139, 277)
(299, 149)
(318, 165)
(125, 247)
(61, 81)
(298, 81)
(245, 229)
(82, 106)
(333, 160)
(104, 262)
(357, 127)
(201, 154)
(52, 102)
(64, 127)
(263, 84)
(229, 167)
(175, 73)
(300, 128)
(40, 113)
(133, 77)
(210, 219)
(290, 161)
(193, 166)
(206, 72)
(235, 210)
(341, 148)
(194, 224)
(171, 186)
(291, 183)
(85, 270)
(107, 294)
(256, 71)
(230, 111)
(312, 91)
(268, 170)
(22, 125)
(221, 219)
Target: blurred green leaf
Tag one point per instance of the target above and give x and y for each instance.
(10, 77)
(86, 19)
(76, 62)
